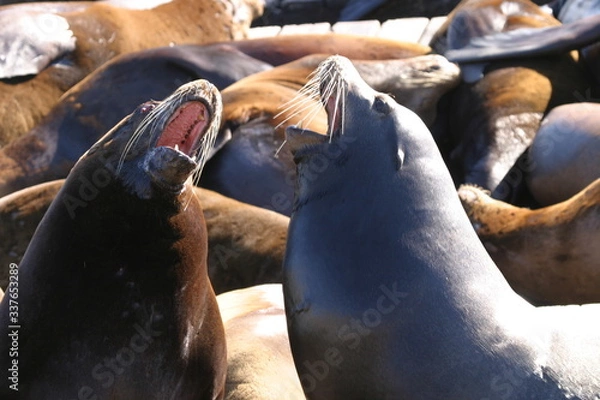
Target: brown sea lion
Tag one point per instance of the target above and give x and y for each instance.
(389, 292)
(245, 243)
(122, 251)
(102, 31)
(548, 255)
(282, 49)
(259, 359)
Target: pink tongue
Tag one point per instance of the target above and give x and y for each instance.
(184, 127)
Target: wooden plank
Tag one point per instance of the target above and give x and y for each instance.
(263, 31)
(321, 27)
(404, 29)
(363, 28)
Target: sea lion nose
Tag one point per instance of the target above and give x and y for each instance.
(168, 167)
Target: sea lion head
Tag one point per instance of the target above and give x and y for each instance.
(363, 125)
(161, 145)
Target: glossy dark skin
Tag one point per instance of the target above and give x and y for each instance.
(396, 297)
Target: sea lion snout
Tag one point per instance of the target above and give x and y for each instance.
(169, 168)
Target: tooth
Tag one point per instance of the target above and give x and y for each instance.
(177, 147)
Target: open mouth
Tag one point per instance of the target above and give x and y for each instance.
(184, 130)
(303, 141)
(335, 113)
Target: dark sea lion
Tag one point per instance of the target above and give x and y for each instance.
(245, 243)
(547, 255)
(529, 42)
(388, 291)
(477, 18)
(286, 12)
(103, 31)
(250, 104)
(103, 98)
(281, 49)
(582, 35)
(260, 363)
(114, 296)
(494, 117)
(391, 9)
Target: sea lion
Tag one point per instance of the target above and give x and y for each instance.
(529, 42)
(547, 255)
(477, 18)
(420, 8)
(495, 114)
(279, 12)
(245, 243)
(102, 31)
(388, 291)
(91, 107)
(122, 252)
(582, 35)
(563, 157)
(282, 49)
(250, 104)
(561, 161)
(259, 359)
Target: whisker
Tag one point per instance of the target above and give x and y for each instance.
(280, 148)
(299, 101)
(307, 106)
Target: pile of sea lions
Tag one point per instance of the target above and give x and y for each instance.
(187, 213)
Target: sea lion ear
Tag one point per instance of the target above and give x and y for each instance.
(399, 159)
(30, 41)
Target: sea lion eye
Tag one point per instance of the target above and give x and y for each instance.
(381, 106)
(147, 107)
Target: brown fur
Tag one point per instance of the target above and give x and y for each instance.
(282, 49)
(268, 93)
(549, 255)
